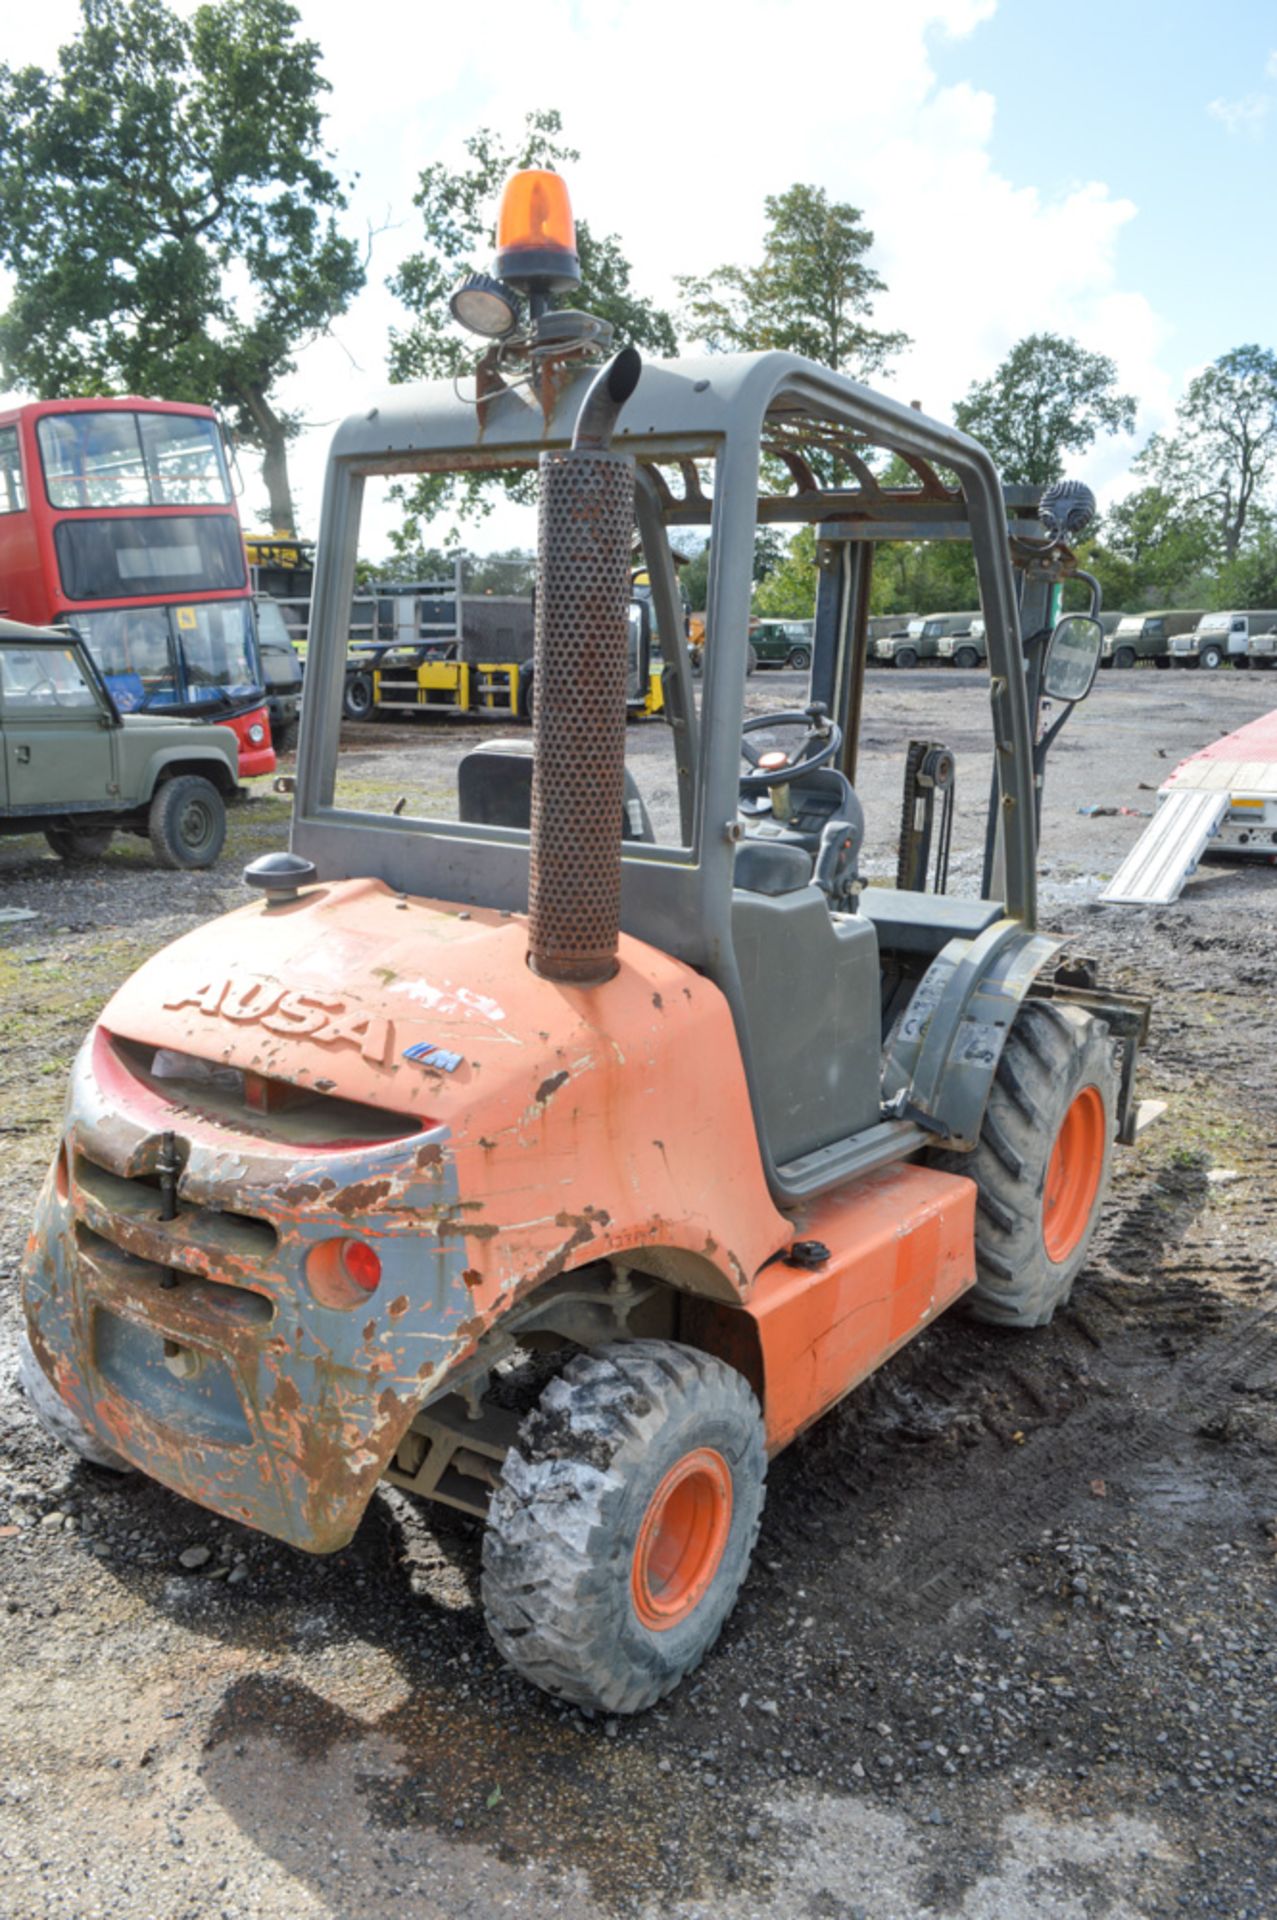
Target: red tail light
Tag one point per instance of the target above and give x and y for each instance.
(342, 1273)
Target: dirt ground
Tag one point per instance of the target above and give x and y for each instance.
(1008, 1645)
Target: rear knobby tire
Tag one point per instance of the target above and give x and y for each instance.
(56, 1417)
(79, 843)
(1042, 1162)
(966, 657)
(623, 1523)
(906, 658)
(187, 822)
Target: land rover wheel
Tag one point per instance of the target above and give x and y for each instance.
(285, 737)
(623, 1523)
(527, 691)
(799, 659)
(966, 657)
(1124, 657)
(1212, 657)
(55, 1416)
(79, 843)
(187, 822)
(357, 696)
(1162, 660)
(906, 657)
(751, 660)
(1042, 1161)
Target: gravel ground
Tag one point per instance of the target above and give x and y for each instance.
(1008, 1646)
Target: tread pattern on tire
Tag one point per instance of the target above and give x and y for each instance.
(1051, 1053)
(559, 1540)
(162, 819)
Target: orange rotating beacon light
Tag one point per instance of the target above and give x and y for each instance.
(536, 256)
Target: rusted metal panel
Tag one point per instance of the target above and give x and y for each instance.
(527, 1128)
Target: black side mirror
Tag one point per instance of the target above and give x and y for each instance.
(1072, 658)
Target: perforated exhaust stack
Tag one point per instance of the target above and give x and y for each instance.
(585, 522)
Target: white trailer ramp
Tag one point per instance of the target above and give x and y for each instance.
(1167, 851)
(1227, 793)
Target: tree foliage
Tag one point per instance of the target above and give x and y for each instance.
(1222, 455)
(1049, 398)
(171, 227)
(1149, 551)
(811, 293)
(458, 212)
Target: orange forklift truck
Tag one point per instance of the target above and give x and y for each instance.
(552, 1162)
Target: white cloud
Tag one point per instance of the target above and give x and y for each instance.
(687, 113)
(1245, 116)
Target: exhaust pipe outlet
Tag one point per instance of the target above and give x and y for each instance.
(584, 527)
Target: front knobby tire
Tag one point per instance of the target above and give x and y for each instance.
(623, 1523)
(1041, 1165)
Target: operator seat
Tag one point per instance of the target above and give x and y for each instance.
(820, 840)
(494, 789)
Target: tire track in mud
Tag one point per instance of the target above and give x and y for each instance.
(1130, 1376)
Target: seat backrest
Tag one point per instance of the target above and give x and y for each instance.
(494, 789)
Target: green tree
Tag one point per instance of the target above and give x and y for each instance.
(1049, 398)
(1250, 580)
(170, 223)
(1222, 455)
(458, 211)
(811, 293)
(1150, 550)
(788, 590)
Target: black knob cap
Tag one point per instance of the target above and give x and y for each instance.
(280, 876)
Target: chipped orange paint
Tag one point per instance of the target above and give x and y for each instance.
(902, 1248)
(578, 1124)
(622, 1106)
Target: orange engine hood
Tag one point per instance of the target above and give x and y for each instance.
(582, 1120)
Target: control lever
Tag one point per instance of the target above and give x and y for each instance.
(834, 871)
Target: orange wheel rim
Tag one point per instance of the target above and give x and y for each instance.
(681, 1542)
(1073, 1175)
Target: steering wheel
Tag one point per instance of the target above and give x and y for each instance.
(774, 768)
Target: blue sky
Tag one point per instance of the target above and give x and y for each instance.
(1107, 171)
(1124, 92)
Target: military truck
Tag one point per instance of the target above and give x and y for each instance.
(1148, 636)
(921, 638)
(78, 771)
(782, 643)
(965, 649)
(1220, 638)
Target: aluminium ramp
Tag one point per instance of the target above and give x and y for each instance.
(1154, 871)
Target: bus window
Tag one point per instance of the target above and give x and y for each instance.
(174, 553)
(92, 460)
(132, 460)
(131, 648)
(13, 494)
(216, 644)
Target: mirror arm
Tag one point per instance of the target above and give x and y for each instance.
(1097, 592)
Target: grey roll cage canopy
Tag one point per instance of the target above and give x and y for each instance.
(728, 410)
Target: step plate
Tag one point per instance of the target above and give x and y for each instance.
(1168, 850)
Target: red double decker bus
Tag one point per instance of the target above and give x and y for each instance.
(117, 519)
